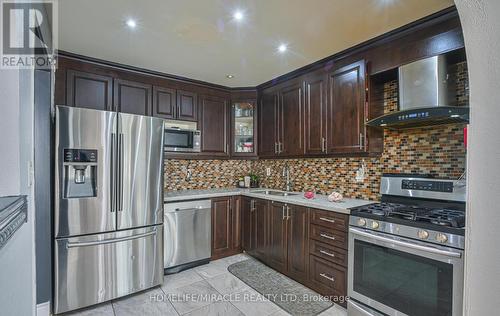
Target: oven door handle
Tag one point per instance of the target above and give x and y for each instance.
(406, 244)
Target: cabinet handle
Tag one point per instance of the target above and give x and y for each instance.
(288, 212)
(283, 211)
(280, 147)
(275, 148)
(323, 144)
(252, 205)
(361, 140)
(325, 219)
(327, 253)
(327, 236)
(327, 277)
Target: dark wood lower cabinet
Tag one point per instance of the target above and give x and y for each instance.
(277, 252)
(236, 224)
(254, 227)
(247, 242)
(326, 278)
(298, 242)
(295, 241)
(226, 228)
(261, 229)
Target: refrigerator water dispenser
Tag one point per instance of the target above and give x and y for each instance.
(80, 173)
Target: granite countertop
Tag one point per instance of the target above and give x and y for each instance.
(319, 202)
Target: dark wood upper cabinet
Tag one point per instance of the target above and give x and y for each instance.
(214, 124)
(88, 90)
(268, 124)
(298, 242)
(187, 105)
(290, 121)
(277, 251)
(244, 128)
(315, 113)
(346, 130)
(132, 97)
(164, 102)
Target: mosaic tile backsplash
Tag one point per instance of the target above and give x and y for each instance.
(437, 150)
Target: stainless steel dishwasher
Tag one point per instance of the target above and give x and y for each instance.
(187, 234)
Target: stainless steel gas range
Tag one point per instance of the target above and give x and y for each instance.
(406, 253)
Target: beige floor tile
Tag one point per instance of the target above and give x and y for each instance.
(183, 278)
(151, 303)
(216, 309)
(192, 297)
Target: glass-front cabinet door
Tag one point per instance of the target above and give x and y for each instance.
(244, 128)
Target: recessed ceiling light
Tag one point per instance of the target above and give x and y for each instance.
(131, 23)
(282, 48)
(229, 76)
(238, 15)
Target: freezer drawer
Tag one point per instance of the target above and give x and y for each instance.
(97, 268)
(188, 232)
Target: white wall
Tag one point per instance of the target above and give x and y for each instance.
(481, 24)
(17, 286)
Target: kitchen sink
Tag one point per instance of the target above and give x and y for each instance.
(274, 192)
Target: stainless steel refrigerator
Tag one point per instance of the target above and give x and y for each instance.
(108, 206)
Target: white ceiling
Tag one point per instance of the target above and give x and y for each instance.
(199, 39)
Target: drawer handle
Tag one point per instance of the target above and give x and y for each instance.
(325, 219)
(327, 277)
(327, 236)
(327, 253)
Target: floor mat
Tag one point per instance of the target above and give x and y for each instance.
(290, 295)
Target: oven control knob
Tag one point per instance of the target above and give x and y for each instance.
(423, 234)
(375, 225)
(442, 238)
(361, 221)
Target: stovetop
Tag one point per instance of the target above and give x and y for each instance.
(437, 216)
(437, 219)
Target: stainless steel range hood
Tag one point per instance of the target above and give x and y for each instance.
(425, 97)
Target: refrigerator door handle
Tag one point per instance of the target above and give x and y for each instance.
(108, 241)
(113, 172)
(120, 172)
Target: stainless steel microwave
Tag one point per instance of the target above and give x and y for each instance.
(182, 140)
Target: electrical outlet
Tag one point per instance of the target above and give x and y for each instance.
(268, 171)
(360, 173)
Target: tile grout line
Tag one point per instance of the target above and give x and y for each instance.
(168, 298)
(113, 307)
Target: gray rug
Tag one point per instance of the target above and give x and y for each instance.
(293, 297)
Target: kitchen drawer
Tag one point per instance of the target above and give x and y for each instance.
(330, 219)
(328, 252)
(327, 278)
(332, 237)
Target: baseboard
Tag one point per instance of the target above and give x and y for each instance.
(43, 309)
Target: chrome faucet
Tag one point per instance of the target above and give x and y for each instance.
(286, 175)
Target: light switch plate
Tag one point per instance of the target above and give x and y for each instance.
(268, 171)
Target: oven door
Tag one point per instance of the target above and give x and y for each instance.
(400, 276)
(180, 140)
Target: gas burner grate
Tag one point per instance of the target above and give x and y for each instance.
(381, 209)
(444, 217)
